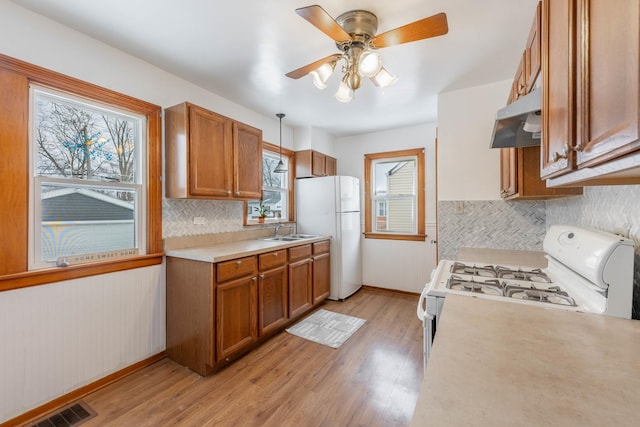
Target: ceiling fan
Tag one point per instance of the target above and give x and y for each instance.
(355, 35)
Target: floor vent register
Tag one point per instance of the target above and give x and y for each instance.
(69, 416)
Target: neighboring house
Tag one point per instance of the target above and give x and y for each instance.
(399, 212)
(84, 221)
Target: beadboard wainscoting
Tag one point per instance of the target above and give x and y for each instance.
(61, 336)
(489, 224)
(609, 208)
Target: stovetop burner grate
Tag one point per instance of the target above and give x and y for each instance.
(488, 287)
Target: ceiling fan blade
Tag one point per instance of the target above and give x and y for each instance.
(432, 26)
(303, 71)
(319, 17)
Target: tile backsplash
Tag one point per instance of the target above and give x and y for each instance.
(608, 208)
(489, 224)
(220, 217)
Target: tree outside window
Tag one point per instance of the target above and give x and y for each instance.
(86, 185)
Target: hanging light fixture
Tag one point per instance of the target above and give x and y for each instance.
(280, 167)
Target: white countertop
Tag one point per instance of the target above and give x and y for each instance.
(500, 364)
(225, 251)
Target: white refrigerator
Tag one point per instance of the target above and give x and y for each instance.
(331, 206)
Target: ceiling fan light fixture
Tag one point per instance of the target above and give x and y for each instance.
(344, 92)
(322, 74)
(370, 63)
(383, 78)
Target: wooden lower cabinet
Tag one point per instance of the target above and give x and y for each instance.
(190, 293)
(300, 280)
(218, 311)
(273, 310)
(236, 316)
(321, 271)
(300, 287)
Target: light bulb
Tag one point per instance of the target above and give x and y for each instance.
(344, 92)
(322, 74)
(383, 78)
(370, 63)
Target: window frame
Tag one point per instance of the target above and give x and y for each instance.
(36, 180)
(290, 155)
(370, 210)
(14, 124)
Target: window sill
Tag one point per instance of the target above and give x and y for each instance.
(42, 277)
(389, 236)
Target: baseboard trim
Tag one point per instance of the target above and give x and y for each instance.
(393, 291)
(81, 392)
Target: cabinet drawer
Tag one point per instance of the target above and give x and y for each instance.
(299, 252)
(321, 247)
(272, 259)
(236, 268)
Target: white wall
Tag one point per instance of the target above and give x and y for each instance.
(467, 168)
(57, 338)
(307, 137)
(395, 264)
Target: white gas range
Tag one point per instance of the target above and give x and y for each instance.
(588, 271)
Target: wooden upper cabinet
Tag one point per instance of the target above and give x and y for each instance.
(591, 98)
(520, 178)
(209, 156)
(508, 177)
(247, 155)
(312, 163)
(607, 96)
(520, 167)
(533, 51)
(209, 174)
(558, 87)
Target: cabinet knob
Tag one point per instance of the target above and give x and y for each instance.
(275, 254)
(237, 193)
(238, 262)
(565, 152)
(228, 192)
(262, 276)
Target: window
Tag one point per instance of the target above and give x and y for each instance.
(80, 193)
(276, 189)
(86, 186)
(394, 195)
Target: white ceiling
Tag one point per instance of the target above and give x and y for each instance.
(241, 50)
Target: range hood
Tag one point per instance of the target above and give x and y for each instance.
(518, 124)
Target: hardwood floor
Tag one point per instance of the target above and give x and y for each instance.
(371, 380)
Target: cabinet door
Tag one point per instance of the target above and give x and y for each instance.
(318, 164)
(300, 287)
(210, 172)
(236, 316)
(272, 300)
(608, 98)
(508, 172)
(247, 154)
(321, 277)
(330, 166)
(533, 51)
(558, 77)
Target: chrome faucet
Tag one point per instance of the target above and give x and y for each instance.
(279, 225)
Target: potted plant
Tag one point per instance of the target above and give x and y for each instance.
(262, 211)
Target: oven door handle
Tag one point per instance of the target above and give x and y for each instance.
(421, 311)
